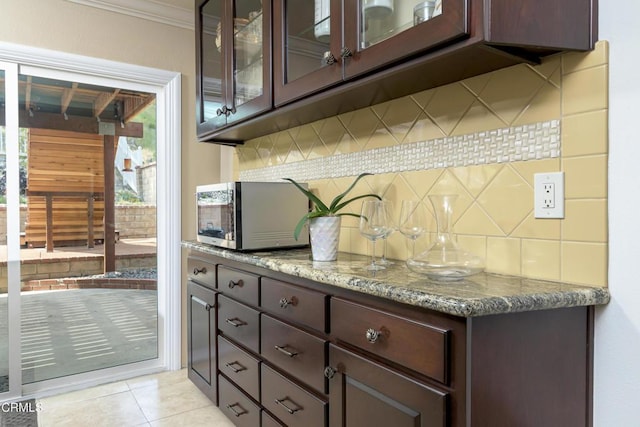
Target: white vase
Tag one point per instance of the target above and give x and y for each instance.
(325, 235)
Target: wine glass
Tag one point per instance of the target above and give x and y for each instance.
(412, 222)
(374, 220)
(390, 229)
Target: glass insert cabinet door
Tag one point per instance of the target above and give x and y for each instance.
(248, 82)
(211, 97)
(378, 32)
(234, 61)
(383, 19)
(306, 47)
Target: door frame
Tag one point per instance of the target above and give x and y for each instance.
(167, 87)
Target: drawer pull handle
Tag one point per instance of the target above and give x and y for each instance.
(372, 335)
(235, 322)
(233, 284)
(284, 302)
(287, 408)
(284, 350)
(205, 304)
(232, 366)
(197, 270)
(236, 413)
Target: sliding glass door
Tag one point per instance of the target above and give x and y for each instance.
(10, 384)
(4, 325)
(71, 314)
(89, 281)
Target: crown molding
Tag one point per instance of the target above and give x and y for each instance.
(146, 9)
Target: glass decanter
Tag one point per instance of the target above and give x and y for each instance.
(444, 259)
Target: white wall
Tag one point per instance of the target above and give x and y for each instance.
(75, 28)
(617, 346)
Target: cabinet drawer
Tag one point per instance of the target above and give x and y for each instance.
(237, 406)
(296, 352)
(239, 322)
(290, 403)
(238, 284)
(269, 421)
(240, 367)
(202, 271)
(294, 303)
(418, 346)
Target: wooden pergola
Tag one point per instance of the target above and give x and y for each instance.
(62, 113)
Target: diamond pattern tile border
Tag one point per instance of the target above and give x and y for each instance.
(534, 141)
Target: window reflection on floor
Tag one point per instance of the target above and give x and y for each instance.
(78, 330)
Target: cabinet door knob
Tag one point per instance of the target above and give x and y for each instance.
(346, 52)
(372, 335)
(222, 111)
(284, 350)
(233, 284)
(328, 58)
(329, 372)
(230, 111)
(197, 271)
(284, 302)
(237, 413)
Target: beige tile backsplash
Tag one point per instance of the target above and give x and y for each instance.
(494, 210)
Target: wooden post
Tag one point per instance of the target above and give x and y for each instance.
(49, 205)
(90, 236)
(109, 205)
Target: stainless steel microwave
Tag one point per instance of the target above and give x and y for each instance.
(250, 215)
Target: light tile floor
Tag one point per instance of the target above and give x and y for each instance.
(167, 399)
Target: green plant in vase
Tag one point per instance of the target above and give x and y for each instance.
(324, 220)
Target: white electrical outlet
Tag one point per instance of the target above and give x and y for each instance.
(548, 195)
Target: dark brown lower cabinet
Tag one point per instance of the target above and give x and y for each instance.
(365, 393)
(355, 360)
(202, 331)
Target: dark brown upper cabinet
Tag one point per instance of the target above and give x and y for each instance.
(233, 62)
(335, 56)
(317, 46)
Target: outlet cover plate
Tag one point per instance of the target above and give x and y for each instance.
(548, 195)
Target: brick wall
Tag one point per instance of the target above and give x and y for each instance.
(48, 271)
(136, 221)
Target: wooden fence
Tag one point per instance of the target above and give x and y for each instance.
(67, 168)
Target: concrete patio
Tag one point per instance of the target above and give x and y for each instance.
(78, 330)
(72, 320)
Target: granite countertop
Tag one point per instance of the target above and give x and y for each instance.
(477, 295)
